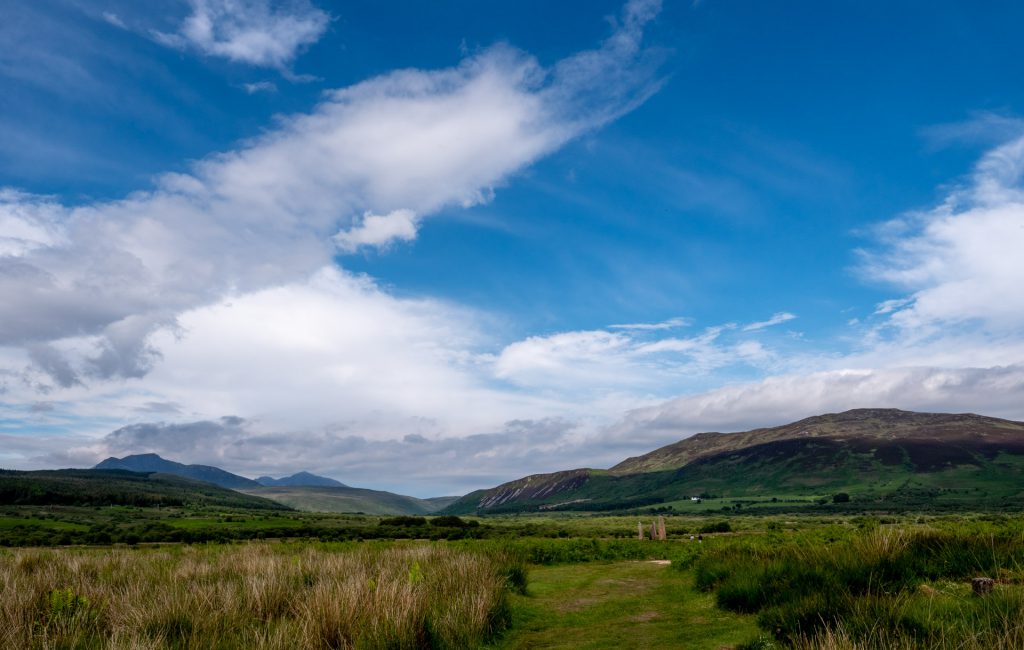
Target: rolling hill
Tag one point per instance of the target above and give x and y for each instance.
(302, 491)
(92, 487)
(349, 499)
(879, 455)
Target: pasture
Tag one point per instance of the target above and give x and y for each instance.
(581, 581)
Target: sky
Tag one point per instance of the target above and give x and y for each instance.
(431, 247)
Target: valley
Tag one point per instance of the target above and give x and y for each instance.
(761, 527)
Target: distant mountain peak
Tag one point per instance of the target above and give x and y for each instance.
(150, 462)
(299, 479)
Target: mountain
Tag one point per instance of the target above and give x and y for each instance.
(301, 479)
(102, 487)
(302, 491)
(886, 456)
(154, 463)
(349, 499)
(887, 428)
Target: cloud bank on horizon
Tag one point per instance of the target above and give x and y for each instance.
(214, 317)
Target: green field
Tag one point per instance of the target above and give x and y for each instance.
(620, 605)
(151, 561)
(811, 580)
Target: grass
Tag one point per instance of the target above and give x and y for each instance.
(809, 581)
(619, 605)
(347, 499)
(881, 588)
(253, 596)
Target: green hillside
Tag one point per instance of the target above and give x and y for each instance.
(92, 487)
(883, 458)
(859, 426)
(348, 499)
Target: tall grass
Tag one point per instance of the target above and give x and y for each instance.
(884, 589)
(252, 596)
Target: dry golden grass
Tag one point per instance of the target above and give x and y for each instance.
(251, 596)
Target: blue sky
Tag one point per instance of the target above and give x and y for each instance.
(434, 246)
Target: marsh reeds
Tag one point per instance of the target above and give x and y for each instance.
(251, 596)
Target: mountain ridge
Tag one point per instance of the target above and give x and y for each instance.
(299, 479)
(878, 452)
(865, 422)
(301, 491)
(155, 463)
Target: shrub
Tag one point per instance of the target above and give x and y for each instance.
(865, 589)
(404, 521)
(716, 527)
(451, 521)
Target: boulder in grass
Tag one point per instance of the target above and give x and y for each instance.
(982, 586)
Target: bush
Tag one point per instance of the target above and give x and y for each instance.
(404, 521)
(451, 521)
(841, 497)
(858, 586)
(716, 527)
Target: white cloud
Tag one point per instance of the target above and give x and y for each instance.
(413, 463)
(96, 281)
(378, 230)
(260, 87)
(953, 344)
(588, 362)
(780, 317)
(786, 398)
(216, 294)
(334, 349)
(983, 127)
(256, 32)
(671, 323)
(27, 223)
(889, 306)
(961, 261)
(114, 19)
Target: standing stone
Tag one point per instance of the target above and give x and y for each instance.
(982, 586)
(661, 528)
(640, 531)
(654, 531)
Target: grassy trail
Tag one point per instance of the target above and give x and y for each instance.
(620, 605)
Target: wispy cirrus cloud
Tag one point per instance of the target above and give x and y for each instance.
(780, 317)
(260, 87)
(114, 19)
(671, 323)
